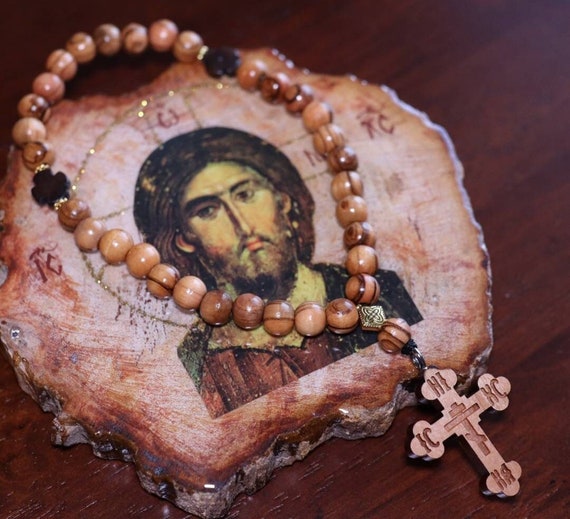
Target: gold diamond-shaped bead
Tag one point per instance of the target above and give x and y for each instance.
(371, 317)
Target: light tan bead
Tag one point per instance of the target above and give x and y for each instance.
(273, 87)
(363, 289)
(297, 97)
(342, 158)
(327, 138)
(82, 46)
(250, 72)
(216, 307)
(310, 319)
(114, 245)
(187, 46)
(72, 212)
(161, 280)
(88, 233)
(162, 35)
(107, 39)
(351, 209)
(278, 318)
(49, 86)
(346, 183)
(135, 38)
(141, 258)
(359, 233)
(394, 335)
(248, 311)
(317, 114)
(361, 259)
(188, 292)
(62, 63)
(36, 153)
(342, 315)
(33, 105)
(28, 129)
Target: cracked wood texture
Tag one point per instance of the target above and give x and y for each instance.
(495, 75)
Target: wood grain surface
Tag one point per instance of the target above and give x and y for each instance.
(496, 75)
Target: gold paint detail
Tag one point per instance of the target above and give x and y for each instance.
(371, 317)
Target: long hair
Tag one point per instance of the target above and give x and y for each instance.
(171, 166)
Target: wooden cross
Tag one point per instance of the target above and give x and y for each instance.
(461, 416)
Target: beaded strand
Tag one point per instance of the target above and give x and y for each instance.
(142, 260)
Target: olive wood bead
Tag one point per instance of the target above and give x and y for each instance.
(361, 259)
(162, 35)
(273, 87)
(297, 97)
(310, 319)
(88, 233)
(187, 46)
(49, 86)
(71, 212)
(114, 245)
(317, 114)
(135, 38)
(188, 292)
(359, 233)
(141, 258)
(161, 280)
(327, 138)
(216, 307)
(362, 288)
(351, 209)
(248, 311)
(250, 72)
(342, 158)
(278, 318)
(346, 183)
(62, 63)
(34, 105)
(28, 129)
(342, 315)
(107, 39)
(394, 335)
(36, 153)
(82, 46)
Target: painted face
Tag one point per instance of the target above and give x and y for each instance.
(239, 227)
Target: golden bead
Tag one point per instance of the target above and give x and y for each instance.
(248, 311)
(135, 38)
(394, 335)
(82, 46)
(362, 288)
(187, 46)
(278, 318)
(107, 39)
(28, 129)
(351, 209)
(342, 316)
(162, 35)
(71, 212)
(361, 259)
(359, 233)
(88, 233)
(141, 258)
(161, 280)
(317, 114)
(310, 319)
(62, 63)
(114, 245)
(188, 292)
(216, 307)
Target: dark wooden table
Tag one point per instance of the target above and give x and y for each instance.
(496, 75)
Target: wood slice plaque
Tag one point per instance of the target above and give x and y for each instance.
(205, 413)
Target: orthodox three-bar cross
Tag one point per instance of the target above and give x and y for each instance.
(461, 416)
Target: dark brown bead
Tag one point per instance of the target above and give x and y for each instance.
(394, 335)
(359, 233)
(36, 153)
(278, 318)
(49, 188)
(297, 97)
(362, 288)
(248, 311)
(342, 316)
(223, 61)
(342, 159)
(273, 87)
(216, 307)
(72, 212)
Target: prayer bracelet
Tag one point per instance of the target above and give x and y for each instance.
(215, 307)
